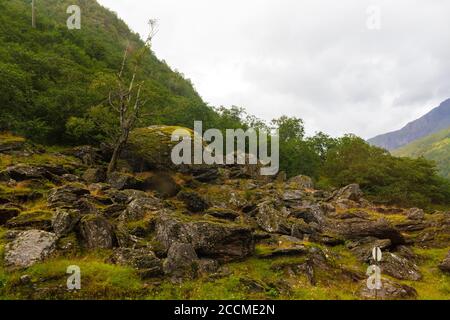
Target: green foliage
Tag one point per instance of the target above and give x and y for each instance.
(54, 79)
(385, 178)
(435, 147)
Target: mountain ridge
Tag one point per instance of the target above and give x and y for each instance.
(432, 122)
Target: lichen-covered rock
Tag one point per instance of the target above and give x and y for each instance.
(193, 201)
(38, 219)
(301, 182)
(142, 259)
(222, 213)
(66, 196)
(360, 228)
(94, 175)
(351, 192)
(23, 172)
(182, 261)
(96, 232)
(222, 241)
(309, 213)
(399, 267)
(445, 265)
(65, 220)
(390, 290)
(272, 218)
(28, 248)
(415, 214)
(139, 206)
(152, 147)
(123, 181)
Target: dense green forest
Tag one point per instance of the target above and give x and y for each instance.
(55, 85)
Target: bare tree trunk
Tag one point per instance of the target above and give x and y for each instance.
(112, 166)
(33, 14)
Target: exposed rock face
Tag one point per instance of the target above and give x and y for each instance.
(390, 291)
(415, 214)
(182, 261)
(123, 181)
(445, 265)
(400, 268)
(94, 175)
(24, 172)
(66, 196)
(7, 213)
(302, 182)
(272, 219)
(359, 228)
(28, 248)
(65, 221)
(138, 207)
(96, 232)
(221, 213)
(350, 192)
(193, 201)
(152, 147)
(143, 259)
(224, 242)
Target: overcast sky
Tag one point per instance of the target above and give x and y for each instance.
(314, 59)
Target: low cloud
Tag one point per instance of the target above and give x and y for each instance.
(314, 59)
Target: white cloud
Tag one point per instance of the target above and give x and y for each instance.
(313, 59)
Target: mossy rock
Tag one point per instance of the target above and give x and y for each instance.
(152, 147)
(38, 219)
(9, 142)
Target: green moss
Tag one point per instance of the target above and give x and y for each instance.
(39, 159)
(434, 285)
(32, 219)
(98, 281)
(10, 138)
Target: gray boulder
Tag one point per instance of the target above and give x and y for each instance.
(390, 290)
(65, 220)
(143, 259)
(415, 214)
(351, 192)
(182, 261)
(94, 175)
(302, 182)
(28, 248)
(96, 232)
(272, 218)
(221, 241)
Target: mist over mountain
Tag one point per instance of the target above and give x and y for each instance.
(434, 121)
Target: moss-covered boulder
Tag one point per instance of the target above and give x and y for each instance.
(151, 148)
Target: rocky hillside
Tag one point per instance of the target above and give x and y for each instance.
(434, 121)
(201, 232)
(434, 147)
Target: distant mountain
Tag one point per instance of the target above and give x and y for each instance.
(434, 121)
(433, 147)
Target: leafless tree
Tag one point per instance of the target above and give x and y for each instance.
(33, 13)
(126, 99)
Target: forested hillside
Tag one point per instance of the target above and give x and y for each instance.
(51, 74)
(434, 147)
